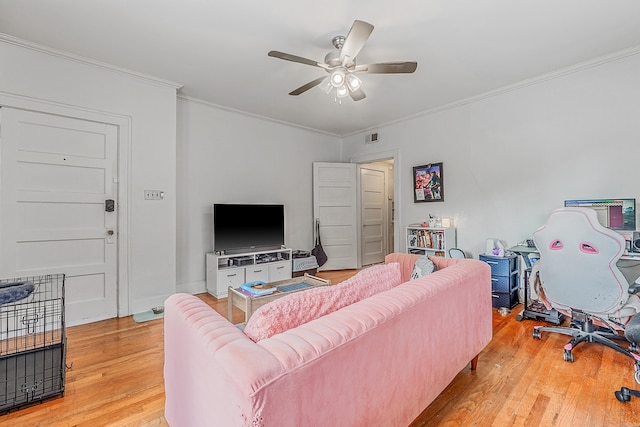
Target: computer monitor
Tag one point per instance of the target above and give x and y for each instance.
(616, 214)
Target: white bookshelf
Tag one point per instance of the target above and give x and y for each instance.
(430, 240)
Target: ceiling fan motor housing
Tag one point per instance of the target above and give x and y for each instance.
(332, 58)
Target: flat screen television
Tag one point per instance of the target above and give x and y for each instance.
(247, 227)
(616, 214)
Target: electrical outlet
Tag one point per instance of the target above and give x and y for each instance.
(153, 195)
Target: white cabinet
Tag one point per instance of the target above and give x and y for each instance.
(233, 277)
(430, 241)
(233, 270)
(279, 271)
(257, 273)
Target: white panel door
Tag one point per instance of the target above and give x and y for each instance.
(335, 206)
(373, 215)
(56, 174)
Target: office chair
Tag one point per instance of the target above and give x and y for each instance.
(577, 275)
(456, 253)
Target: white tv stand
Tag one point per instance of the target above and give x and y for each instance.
(235, 269)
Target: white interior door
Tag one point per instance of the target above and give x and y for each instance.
(373, 213)
(335, 206)
(56, 174)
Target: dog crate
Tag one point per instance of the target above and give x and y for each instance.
(32, 340)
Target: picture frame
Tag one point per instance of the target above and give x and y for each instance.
(428, 183)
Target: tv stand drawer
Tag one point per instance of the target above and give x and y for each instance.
(235, 269)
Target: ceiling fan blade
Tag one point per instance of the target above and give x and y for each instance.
(387, 68)
(357, 37)
(307, 86)
(357, 95)
(294, 58)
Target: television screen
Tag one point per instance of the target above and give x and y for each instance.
(247, 227)
(616, 214)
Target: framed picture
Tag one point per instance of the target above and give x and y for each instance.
(428, 183)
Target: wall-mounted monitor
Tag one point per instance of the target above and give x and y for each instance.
(247, 227)
(616, 214)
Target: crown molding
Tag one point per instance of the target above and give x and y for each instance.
(605, 59)
(255, 116)
(6, 38)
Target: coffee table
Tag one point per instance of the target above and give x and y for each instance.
(249, 304)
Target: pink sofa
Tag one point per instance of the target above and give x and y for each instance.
(380, 361)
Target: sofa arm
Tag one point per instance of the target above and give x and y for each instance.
(407, 261)
(212, 370)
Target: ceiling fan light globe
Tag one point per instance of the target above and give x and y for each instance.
(337, 78)
(353, 82)
(342, 91)
(326, 85)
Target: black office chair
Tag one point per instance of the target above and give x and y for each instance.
(578, 276)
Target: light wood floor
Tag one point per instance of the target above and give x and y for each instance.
(116, 380)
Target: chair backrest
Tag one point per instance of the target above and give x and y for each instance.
(578, 262)
(456, 253)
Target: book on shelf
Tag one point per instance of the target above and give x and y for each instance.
(258, 288)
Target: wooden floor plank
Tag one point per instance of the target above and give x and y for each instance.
(116, 380)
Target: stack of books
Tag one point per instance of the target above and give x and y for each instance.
(258, 288)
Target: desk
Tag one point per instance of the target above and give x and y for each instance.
(629, 269)
(524, 252)
(533, 310)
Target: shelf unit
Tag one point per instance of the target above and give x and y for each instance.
(235, 269)
(504, 280)
(430, 240)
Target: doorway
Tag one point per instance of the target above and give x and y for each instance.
(339, 209)
(376, 206)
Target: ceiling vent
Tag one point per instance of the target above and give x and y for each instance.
(372, 138)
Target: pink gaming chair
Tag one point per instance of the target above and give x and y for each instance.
(578, 276)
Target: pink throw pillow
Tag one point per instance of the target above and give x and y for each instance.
(301, 307)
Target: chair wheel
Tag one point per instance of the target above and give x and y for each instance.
(536, 334)
(568, 357)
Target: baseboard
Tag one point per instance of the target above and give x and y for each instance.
(195, 287)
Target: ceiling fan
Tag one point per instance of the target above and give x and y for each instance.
(342, 80)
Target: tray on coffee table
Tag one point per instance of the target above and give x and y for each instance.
(250, 303)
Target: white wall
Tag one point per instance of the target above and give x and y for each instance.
(508, 159)
(228, 157)
(511, 158)
(151, 108)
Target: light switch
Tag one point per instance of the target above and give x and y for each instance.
(153, 195)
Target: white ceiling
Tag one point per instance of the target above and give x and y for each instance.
(218, 50)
